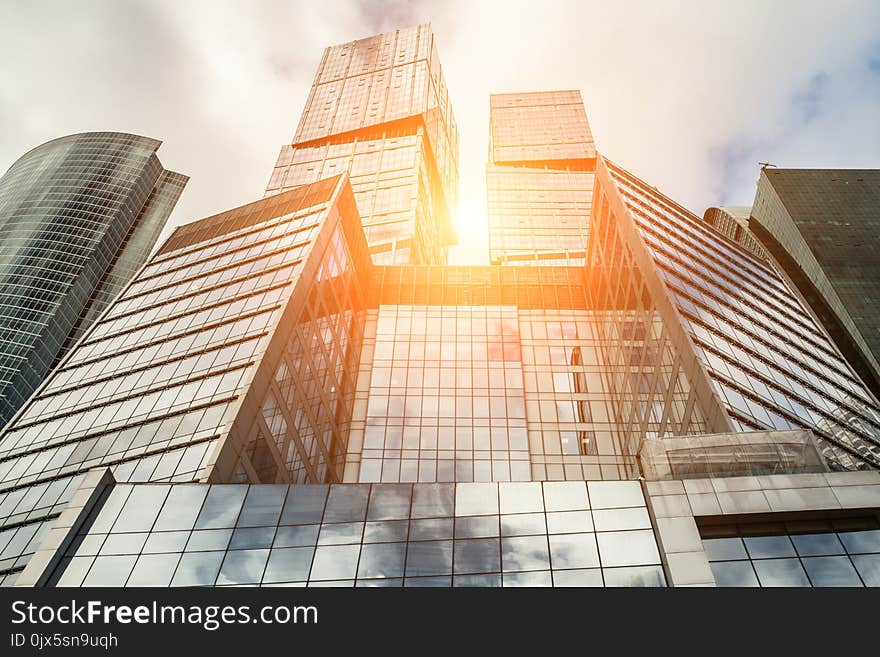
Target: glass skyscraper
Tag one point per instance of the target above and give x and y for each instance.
(78, 217)
(821, 225)
(268, 403)
(379, 110)
(539, 179)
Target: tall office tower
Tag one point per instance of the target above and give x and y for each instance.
(379, 110)
(229, 357)
(753, 356)
(539, 179)
(78, 217)
(734, 222)
(821, 225)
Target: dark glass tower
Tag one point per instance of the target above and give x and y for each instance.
(78, 217)
(823, 228)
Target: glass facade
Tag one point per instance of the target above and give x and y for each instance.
(539, 180)
(839, 552)
(78, 217)
(187, 375)
(771, 365)
(821, 226)
(300, 392)
(380, 111)
(470, 534)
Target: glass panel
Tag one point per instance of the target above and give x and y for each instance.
(110, 571)
(198, 569)
(476, 499)
(525, 553)
(390, 502)
(734, 573)
(569, 522)
(831, 571)
(476, 527)
(262, 505)
(386, 531)
(181, 507)
(764, 547)
(430, 529)
(523, 524)
(346, 503)
(336, 561)
(627, 548)
(481, 581)
(565, 495)
(289, 565)
(619, 519)
(141, 508)
(166, 542)
(74, 570)
(433, 500)
(574, 551)
(341, 533)
(644, 576)
(382, 560)
(808, 545)
(477, 555)
(868, 566)
(304, 505)
(520, 497)
(861, 542)
(153, 570)
(615, 494)
(537, 578)
(208, 539)
(428, 558)
(124, 543)
(719, 549)
(252, 537)
(580, 577)
(243, 567)
(780, 572)
(221, 506)
(296, 536)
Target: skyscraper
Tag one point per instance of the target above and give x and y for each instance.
(78, 217)
(265, 404)
(539, 178)
(734, 222)
(822, 226)
(379, 110)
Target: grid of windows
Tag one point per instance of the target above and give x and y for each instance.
(446, 400)
(379, 110)
(770, 363)
(570, 411)
(540, 178)
(78, 217)
(468, 534)
(159, 378)
(835, 552)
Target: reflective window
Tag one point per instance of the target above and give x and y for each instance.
(823, 552)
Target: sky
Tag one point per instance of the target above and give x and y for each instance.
(689, 96)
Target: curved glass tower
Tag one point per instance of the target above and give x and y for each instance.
(78, 217)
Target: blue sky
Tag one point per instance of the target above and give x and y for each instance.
(688, 95)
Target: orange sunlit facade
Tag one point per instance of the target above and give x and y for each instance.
(539, 179)
(379, 110)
